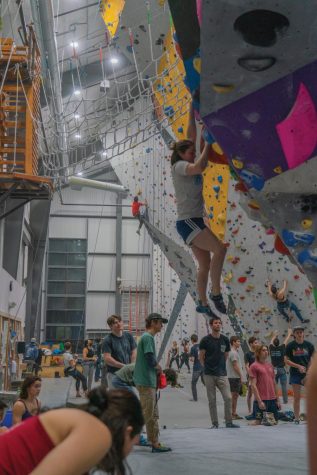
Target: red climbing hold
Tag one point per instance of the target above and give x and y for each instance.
(280, 246)
(242, 279)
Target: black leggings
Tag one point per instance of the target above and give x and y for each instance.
(185, 360)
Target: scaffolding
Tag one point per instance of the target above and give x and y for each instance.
(20, 120)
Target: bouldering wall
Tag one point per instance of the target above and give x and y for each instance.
(265, 117)
(251, 260)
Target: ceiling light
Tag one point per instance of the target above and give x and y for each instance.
(78, 136)
(74, 44)
(79, 173)
(77, 92)
(104, 154)
(114, 60)
(76, 116)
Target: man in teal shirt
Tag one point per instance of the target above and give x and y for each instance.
(145, 379)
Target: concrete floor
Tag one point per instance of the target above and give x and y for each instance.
(185, 426)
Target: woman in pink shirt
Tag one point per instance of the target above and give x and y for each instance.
(263, 385)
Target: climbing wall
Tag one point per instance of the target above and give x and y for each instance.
(253, 258)
(258, 99)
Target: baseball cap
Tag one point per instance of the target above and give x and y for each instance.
(33, 340)
(156, 316)
(298, 327)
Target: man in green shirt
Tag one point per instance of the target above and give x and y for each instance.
(145, 379)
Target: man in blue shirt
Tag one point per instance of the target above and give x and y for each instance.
(198, 370)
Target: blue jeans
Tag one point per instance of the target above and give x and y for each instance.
(281, 376)
(79, 377)
(195, 378)
(118, 383)
(282, 307)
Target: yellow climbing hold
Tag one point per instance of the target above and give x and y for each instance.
(161, 3)
(221, 218)
(277, 169)
(216, 148)
(306, 223)
(228, 277)
(223, 88)
(197, 65)
(237, 163)
(230, 258)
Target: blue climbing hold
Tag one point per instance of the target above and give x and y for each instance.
(220, 179)
(216, 188)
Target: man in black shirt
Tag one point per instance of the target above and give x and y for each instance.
(277, 353)
(298, 356)
(214, 349)
(249, 358)
(119, 348)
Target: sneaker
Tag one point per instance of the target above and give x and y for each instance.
(160, 448)
(306, 320)
(143, 442)
(214, 426)
(138, 232)
(236, 417)
(296, 421)
(231, 425)
(218, 303)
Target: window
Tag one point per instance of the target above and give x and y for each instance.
(134, 308)
(66, 289)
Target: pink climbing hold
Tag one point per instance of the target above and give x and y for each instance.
(199, 4)
(298, 132)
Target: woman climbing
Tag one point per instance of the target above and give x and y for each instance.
(283, 304)
(28, 404)
(71, 441)
(188, 184)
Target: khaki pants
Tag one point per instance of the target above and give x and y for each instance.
(150, 412)
(222, 383)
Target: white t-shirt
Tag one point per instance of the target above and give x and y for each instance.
(232, 357)
(68, 357)
(188, 192)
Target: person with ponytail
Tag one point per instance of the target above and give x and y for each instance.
(99, 434)
(207, 248)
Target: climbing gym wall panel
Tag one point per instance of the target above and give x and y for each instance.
(258, 99)
(111, 12)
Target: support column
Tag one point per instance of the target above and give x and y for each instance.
(118, 253)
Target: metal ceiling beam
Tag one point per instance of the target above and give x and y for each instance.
(43, 17)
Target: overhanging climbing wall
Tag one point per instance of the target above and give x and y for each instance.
(264, 116)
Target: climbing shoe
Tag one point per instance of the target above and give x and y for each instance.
(204, 309)
(306, 320)
(160, 449)
(218, 303)
(214, 426)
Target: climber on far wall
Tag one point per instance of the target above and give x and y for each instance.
(207, 248)
(284, 306)
(139, 210)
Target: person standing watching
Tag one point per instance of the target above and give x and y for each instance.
(277, 353)
(263, 385)
(198, 370)
(298, 355)
(234, 372)
(213, 353)
(89, 359)
(145, 379)
(249, 359)
(119, 348)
